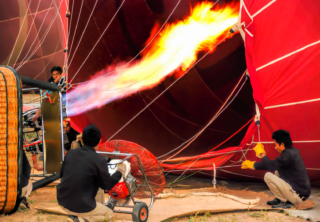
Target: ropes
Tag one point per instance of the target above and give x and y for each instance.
(75, 30)
(162, 123)
(202, 155)
(145, 46)
(85, 28)
(177, 180)
(166, 89)
(185, 120)
(23, 60)
(214, 117)
(104, 31)
(19, 32)
(26, 58)
(27, 34)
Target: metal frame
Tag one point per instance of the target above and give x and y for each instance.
(128, 156)
(37, 175)
(61, 127)
(43, 144)
(61, 134)
(43, 132)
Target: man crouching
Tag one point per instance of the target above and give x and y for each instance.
(290, 183)
(83, 172)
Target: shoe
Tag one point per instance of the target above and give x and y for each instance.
(25, 202)
(283, 205)
(276, 201)
(73, 219)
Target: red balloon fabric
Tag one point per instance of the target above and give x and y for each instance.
(283, 53)
(186, 107)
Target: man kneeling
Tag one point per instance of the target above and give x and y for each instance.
(82, 173)
(290, 183)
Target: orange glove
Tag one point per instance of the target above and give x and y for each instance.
(247, 164)
(259, 149)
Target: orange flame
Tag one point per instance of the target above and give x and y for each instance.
(173, 51)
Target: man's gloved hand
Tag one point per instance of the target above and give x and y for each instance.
(259, 149)
(247, 164)
(236, 27)
(122, 168)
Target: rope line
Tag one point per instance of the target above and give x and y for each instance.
(222, 108)
(39, 45)
(40, 42)
(161, 122)
(38, 32)
(104, 31)
(167, 88)
(14, 46)
(175, 181)
(144, 47)
(70, 24)
(85, 28)
(43, 37)
(75, 30)
(185, 120)
(203, 155)
(27, 34)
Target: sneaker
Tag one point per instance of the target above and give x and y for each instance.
(283, 205)
(276, 201)
(25, 202)
(73, 219)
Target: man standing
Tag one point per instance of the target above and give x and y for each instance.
(290, 183)
(56, 74)
(83, 172)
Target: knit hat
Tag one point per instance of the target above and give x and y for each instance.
(91, 135)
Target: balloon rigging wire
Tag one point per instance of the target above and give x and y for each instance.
(26, 58)
(25, 40)
(98, 40)
(144, 47)
(41, 41)
(85, 28)
(166, 89)
(196, 135)
(75, 30)
(14, 46)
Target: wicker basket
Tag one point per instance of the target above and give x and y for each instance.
(10, 139)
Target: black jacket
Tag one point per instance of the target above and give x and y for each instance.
(83, 172)
(291, 169)
(72, 136)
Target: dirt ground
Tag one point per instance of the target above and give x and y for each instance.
(250, 216)
(48, 195)
(31, 98)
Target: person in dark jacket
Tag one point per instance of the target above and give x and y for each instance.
(83, 172)
(290, 183)
(71, 134)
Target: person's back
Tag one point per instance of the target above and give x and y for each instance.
(83, 172)
(295, 173)
(85, 165)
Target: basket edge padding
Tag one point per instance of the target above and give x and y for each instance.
(20, 145)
